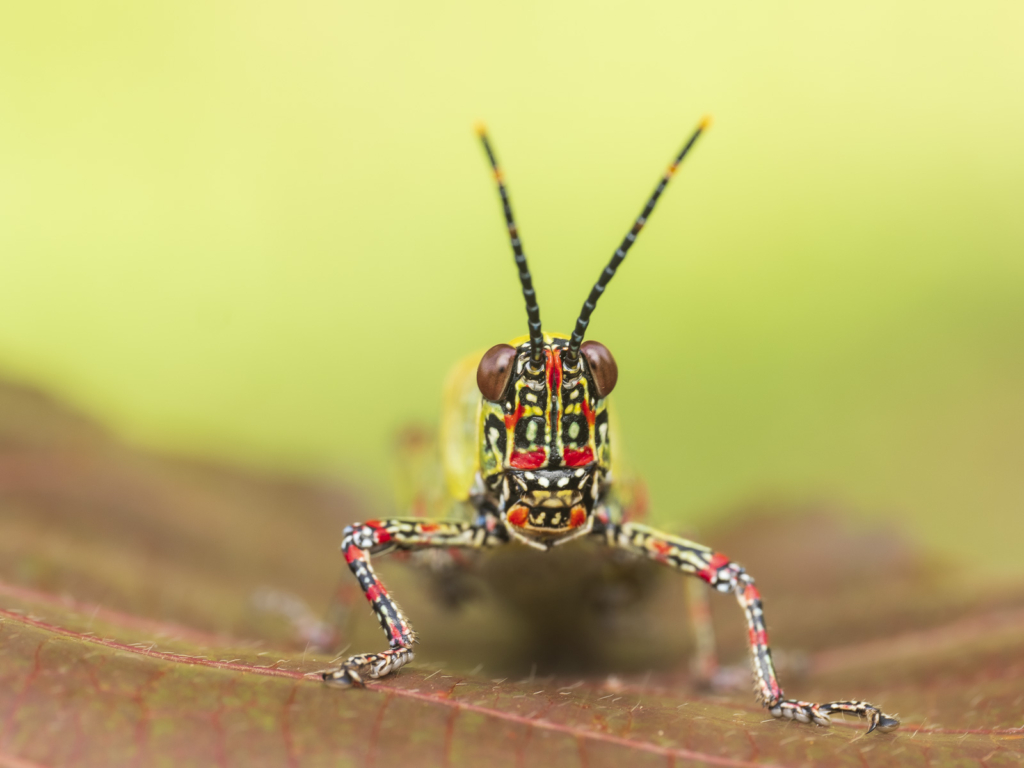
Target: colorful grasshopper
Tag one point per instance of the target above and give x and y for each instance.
(533, 458)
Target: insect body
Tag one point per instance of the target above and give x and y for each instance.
(526, 441)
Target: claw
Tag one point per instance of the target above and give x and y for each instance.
(874, 721)
(879, 721)
(806, 712)
(887, 723)
(347, 678)
(372, 665)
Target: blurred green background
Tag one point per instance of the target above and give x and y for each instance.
(264, 231)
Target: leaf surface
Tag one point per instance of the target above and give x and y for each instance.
(129, 636)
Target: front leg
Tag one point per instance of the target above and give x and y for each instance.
(379, 537)
(726, 576)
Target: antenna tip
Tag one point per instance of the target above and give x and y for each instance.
(479, 128)
(705, 122)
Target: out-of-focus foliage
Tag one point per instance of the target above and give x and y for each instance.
(265, 231)
(129, 636)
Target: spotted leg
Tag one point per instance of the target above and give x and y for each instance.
(376, 537)
(726, 576)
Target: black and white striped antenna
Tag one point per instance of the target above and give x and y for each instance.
(609, 271)
(529, 294)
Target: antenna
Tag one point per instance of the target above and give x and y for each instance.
(532, 308)
(609, 271)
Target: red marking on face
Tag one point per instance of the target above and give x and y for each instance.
(517, 517)
(758, 637)
(577, 517)
(529, 460)
(512, 419)
(574, 458)
(429, 527)
(353, 553)
(554, 363)
(588, 413)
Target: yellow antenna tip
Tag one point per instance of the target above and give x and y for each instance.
(479, 128)
(705, 122)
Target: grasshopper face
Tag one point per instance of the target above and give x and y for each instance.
(544, 442)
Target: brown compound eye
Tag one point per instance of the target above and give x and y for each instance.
(602, 366)
(494, 370)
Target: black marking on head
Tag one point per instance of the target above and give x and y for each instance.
(575, 430)
(600, 435)
(495, 434)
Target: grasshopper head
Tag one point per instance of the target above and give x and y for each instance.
(544, 442)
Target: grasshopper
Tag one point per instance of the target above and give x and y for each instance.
(526, 443)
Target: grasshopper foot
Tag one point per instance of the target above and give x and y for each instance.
(807, 712)
(355, 670)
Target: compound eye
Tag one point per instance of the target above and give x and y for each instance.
(494, 371)
(602, 366)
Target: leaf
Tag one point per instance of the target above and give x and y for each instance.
(129, 635)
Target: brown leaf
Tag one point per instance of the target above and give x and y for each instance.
(129, 635)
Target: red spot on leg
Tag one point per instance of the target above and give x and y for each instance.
(374, 592)
(353, 553)
(758, 637)
(661, 549)
(380, 533)
(750, 594)
(711, 571)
